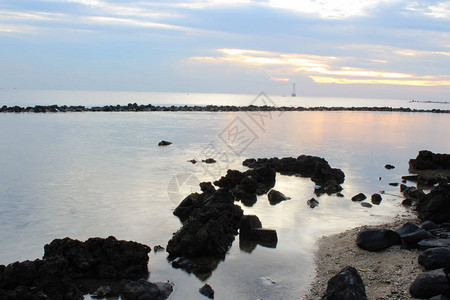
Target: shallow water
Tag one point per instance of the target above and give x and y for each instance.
(99, 174)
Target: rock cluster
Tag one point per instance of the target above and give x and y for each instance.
(326, 178)
(66, 260)
(210, 108)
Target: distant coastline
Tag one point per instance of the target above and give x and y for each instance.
(134, 107)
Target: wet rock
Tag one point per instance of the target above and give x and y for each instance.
(427, 160)
(433, 243)
(251, 229)
(393, 183)
(346, 285)
(376, 199)
(435, 258)
(373, 239)
(193, 161)
(100, 258)
(430, 284)
(158, 248)
(209, 160)
(359, 197)
(140, 289)
(207, 291)
(366, 205)
(165, 288)
(209, 228)
(312, 202)
(276, 197)
(436, 205)
(389, 167)
(414, 193)
(164, 143)
(340, 195)
(407, 202)
(184, 263)
(403, 187)
(314, 167)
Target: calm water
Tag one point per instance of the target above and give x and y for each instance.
(99, 174)
(99, 98)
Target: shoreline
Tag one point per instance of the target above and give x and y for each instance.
(386, 274)
(197, 108)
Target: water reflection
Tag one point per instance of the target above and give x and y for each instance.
(86, 175)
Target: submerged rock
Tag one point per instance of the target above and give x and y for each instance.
(164, 143)
(376, 199)
(207, 291)
(389, 167)
(346, 285)
(312, 202)
(276, 197)
(359, 197)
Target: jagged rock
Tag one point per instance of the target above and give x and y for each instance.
(312, 202)
(435, 258)
(209, 227)
(100, 258)
(376, 199)
(427, 160)
(276, 197)
(436, 205)
(359, 197)
(373, 239)
(346, 285)
(430, 284)
(164, 143)
(414, 193)
(403, 187)
(207, 291)
(314, 167)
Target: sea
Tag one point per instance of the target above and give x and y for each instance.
(97, 174)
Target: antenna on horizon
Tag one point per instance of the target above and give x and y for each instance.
(293, 91)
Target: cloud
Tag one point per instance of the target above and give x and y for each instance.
(324, 69)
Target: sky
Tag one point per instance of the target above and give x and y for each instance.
(398, 49)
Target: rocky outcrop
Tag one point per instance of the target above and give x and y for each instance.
(243, 185)
(346, 285)
(327, 179)
(427, 160)
(436, 205)
(66, 260)
(210, 222)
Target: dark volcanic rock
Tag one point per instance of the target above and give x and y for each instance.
(256, 181)
(346, 285)
(312, 202)
(209, 229)
(427, 160)
(251, 229)
(413, 238)
(435, 258)
(209, 160)
(100, 258)
(359, 197)
(389, 167)
(314, 167)
(276, 197)
(407, 228)
(377, 239)
(141, 289)
(376, 199)
(436, 205)
(207, 291)
(433, 243)
(430, 284)
(429, 225)
(164, 143)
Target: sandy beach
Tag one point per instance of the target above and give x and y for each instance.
(386, 274)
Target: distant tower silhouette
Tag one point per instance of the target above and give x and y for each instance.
(293, 91)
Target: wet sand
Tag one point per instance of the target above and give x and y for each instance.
(386, 274)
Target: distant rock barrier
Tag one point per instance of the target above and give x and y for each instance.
(134, 107)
